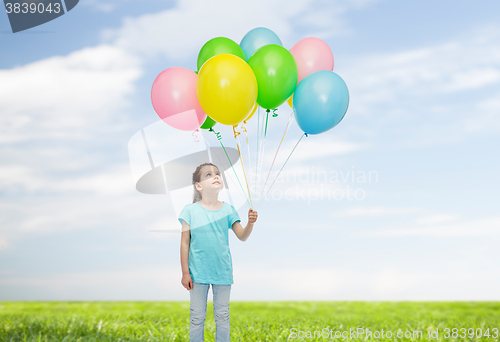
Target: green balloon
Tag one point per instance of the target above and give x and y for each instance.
(209, 123)
(277, 75)
(216, 46)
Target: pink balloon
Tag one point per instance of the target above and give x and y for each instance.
(312, 54)
(174, 99)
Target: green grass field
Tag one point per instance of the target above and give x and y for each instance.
(251, 321)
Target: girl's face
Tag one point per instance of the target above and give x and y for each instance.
(210, 178)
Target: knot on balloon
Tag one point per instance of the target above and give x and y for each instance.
(274, 112)
(217, 134)
(305, 134)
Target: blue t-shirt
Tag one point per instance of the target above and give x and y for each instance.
(209, 256)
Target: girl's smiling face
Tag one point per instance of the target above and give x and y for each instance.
(210, 178)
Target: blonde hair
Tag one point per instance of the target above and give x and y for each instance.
(196, 178)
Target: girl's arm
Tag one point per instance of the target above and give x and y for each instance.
(185, 240)
(244, 233)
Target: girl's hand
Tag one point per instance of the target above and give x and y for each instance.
(252, 216)
(186, 281)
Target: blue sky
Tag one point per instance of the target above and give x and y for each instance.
(424, 88)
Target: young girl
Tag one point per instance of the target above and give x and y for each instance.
(205, 255)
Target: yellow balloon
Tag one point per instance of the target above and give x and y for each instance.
(252, 113)
(290, 101)
(226, 88)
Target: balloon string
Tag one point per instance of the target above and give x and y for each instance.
(244, 128)
(219, 138)
(217, 134)
(260, 132)
(242, 162)
(235, 132)
(272, 164)
(257, 150)
(230, 177)
(263, 144)
(236, 174)
(195, 136)
(305, 134)
(267, 117)
(274, 112)
(222, 163)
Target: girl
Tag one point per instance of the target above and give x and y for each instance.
(205, 255)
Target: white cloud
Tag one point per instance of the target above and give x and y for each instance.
(434, 219)
(387, 283)
(450, 67)
(376, 211)
(433, 94)
(131, 214)
(103, 6)
(115, 180)
(147, 283)
(3, 242)
(322, 147)
(456, 282)
(489, 226)
(298, 225)
(67, 97)
(58, 117)
(171, 227)
(176, 32)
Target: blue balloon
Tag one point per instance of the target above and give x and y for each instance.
(257, 38)
(320, 101)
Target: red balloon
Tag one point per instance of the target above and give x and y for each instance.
(174, 99)
(312, 54)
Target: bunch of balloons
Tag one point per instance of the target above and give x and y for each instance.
(232, 80)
